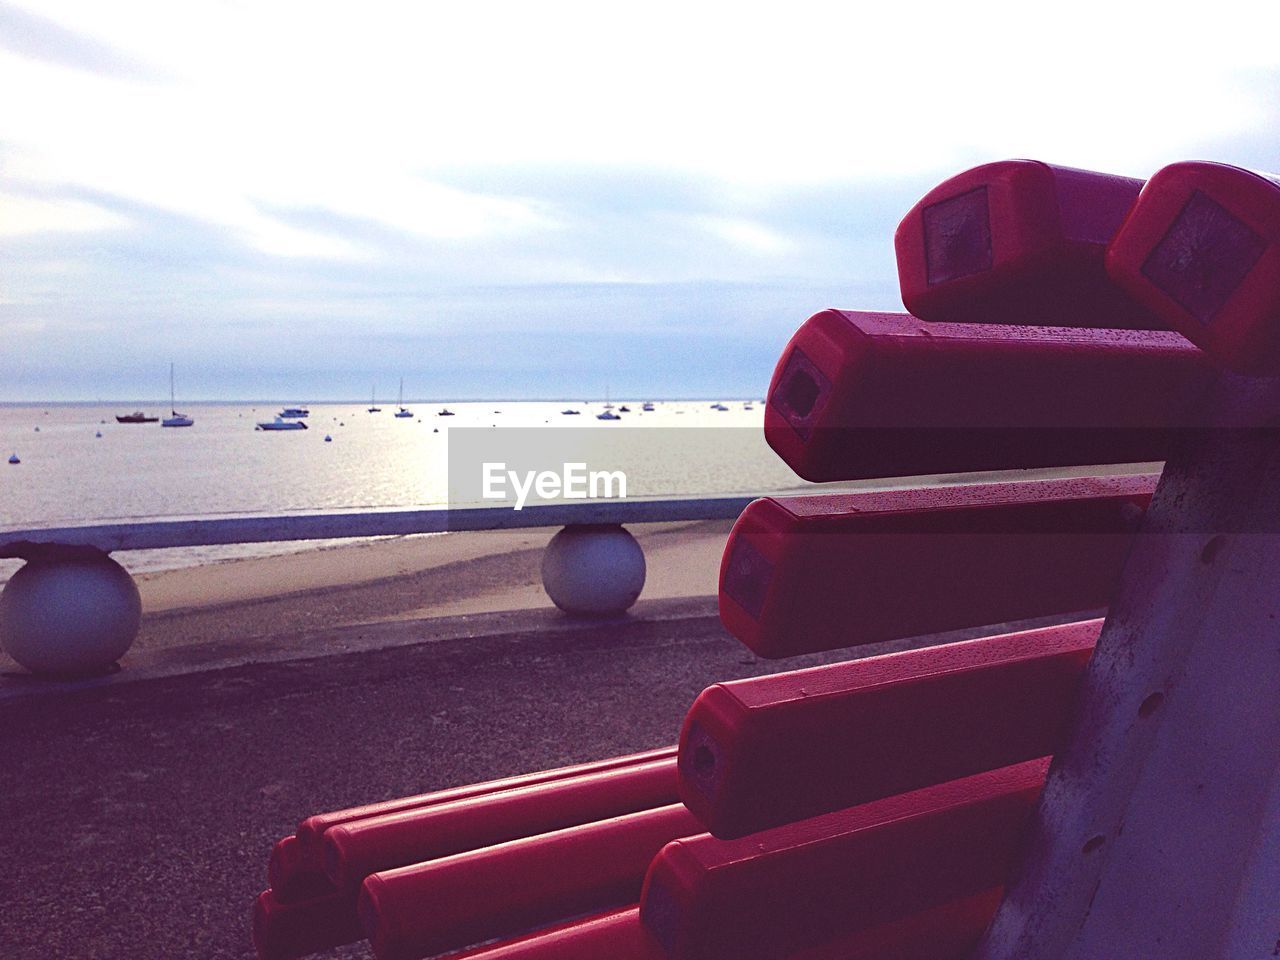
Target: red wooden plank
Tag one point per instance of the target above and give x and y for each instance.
(616, 935)
(430, 908)
(804, 574)
(948, 932)
(772, 750)
(860, 395)
(312, 829)
(286, 931)
(797, 887)
(1018, 241)
(293, 877)
(355, 850)
(1202, 249)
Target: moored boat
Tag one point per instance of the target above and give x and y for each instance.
(175, 419)
(136, 417)
(401, 411)
(279, 423)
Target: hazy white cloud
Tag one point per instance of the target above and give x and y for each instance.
(26, 215)
(746, 235)
(257, 163)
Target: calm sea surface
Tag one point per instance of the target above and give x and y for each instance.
(223, 466)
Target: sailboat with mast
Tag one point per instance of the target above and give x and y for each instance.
(402, 412)
(373, 401)
(177, 419)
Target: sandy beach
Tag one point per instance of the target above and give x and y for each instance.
(394, 579)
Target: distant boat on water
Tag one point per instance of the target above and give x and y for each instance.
(608, 415)
(624, 409)
(279, 423)
(136, 417)
(570, 413)
(446, 412)
(402, 412)
(719, 406)
(294, 413)
(13, 458)
(647, 407)
(373, 402)
(177, 419)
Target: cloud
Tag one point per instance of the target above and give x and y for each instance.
(485, 198)
(37, 38)
(25, 215)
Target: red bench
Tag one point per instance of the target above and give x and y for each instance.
(804, 574)
(1018, 242)
(860, 395)
(774, 750)
(903, 806)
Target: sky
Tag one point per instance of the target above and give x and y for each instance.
(539, 199)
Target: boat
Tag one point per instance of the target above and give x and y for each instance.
(624, 409)
(570, 413)
(279, 423)
(328, 439)
(402, 412)
(178, 419)
(446, 412)
(647, 408)
(13, 458)
(608, 415)
(373, 403)
(294, 413)
(719, 406)
(136, 417)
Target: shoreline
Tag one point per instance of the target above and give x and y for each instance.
(414, 578)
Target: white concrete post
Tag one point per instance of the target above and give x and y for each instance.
(593, 569)
(72, 611)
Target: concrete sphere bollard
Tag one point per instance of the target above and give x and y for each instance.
(595, 569)
(69, 616)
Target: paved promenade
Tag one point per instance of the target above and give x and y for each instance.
(138, 812)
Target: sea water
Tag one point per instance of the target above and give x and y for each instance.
(222, 466)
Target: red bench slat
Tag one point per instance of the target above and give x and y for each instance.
(616, 935)
(1018, 241)
(426, 909)
(773, 750)
(295, 869)
(294, 877)
(862, 395)
(285, 931)
(312, 829)
(1202, 249)
(949, 932)
(808, 883)
(355, 850)
(806, 574)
